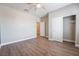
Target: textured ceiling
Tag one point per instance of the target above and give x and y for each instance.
(39, 12)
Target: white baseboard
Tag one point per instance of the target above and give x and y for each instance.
(3, 44)
(56, 40)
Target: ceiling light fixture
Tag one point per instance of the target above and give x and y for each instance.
(38, 5)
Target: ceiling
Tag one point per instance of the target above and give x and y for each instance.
(39, 12)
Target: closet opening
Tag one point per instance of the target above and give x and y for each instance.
(69, 28)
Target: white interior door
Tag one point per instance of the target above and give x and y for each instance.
(0, 35)
(42, 28)
(57, 29)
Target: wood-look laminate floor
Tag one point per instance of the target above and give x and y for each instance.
(39, 47)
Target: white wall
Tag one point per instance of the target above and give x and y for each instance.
(72, 9)
(16, 25)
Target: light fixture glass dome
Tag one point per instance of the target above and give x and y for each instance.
(38, 5)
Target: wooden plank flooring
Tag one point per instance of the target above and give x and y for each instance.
(39, 47)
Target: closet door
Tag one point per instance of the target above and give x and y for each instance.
(57, 29)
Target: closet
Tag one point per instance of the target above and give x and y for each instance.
(69, 23)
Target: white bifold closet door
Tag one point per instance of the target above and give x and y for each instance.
(42, 29)
(57, 29)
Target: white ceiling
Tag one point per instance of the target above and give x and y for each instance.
(40, 11)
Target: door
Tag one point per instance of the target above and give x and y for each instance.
(0, 36)
(42, 29)
(38, 29)
(57, 29)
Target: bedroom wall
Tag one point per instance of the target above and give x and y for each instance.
(72, 9)
(16, 25)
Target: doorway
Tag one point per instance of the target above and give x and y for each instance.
(69, 28)
(38, 29)
(42, 29)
